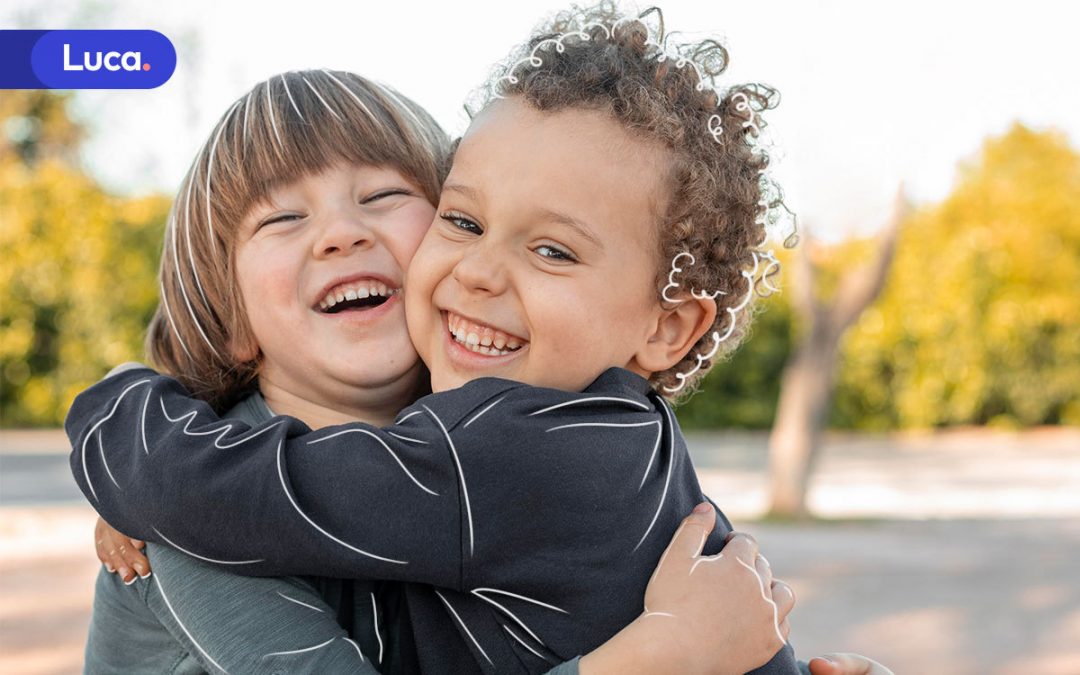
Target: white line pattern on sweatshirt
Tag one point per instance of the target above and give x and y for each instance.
(97, 425)
(180, 548)
(467, 631)
(385, 446)
(288, 494)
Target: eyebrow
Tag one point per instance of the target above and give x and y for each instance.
(471, 193)
(574, 224)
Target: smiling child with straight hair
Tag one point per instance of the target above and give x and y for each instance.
(599, 242)
(324, 178)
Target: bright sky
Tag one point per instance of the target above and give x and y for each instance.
(873, 93)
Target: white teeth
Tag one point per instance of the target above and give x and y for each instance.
(482, 340)
(356, 292)
(490, 351)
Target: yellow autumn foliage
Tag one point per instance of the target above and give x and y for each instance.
(77, 284)
(980, 320)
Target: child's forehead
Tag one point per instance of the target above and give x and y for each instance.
(572, 151)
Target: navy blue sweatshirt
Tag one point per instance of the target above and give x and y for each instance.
(528, 520)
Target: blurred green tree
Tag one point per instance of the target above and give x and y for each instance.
(979, 322)
(78, 278)
(742, 392)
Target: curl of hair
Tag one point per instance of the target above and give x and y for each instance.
(663, 90)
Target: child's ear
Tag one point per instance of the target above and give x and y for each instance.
(675, 333)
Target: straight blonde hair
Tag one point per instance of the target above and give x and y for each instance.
(287, 127)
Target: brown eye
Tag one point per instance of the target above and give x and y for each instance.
(462, 223)
(554, 253)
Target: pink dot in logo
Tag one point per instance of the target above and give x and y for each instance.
(146, 66)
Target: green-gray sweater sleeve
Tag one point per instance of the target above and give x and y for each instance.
(568, 668)
(571, 668)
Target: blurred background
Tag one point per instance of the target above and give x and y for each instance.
(902, 430)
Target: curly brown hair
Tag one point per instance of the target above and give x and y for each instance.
(721, 200)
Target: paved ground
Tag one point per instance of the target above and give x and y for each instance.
(953, 553)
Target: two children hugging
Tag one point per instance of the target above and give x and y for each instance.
(594, 247)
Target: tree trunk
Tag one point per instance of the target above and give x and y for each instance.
(807, 382)
(804, 396)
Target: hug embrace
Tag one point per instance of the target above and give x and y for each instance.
(414, 405)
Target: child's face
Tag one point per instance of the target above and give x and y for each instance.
(348, 232)
(544, 248)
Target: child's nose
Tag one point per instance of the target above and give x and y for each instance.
(481, 270)
(342, 233)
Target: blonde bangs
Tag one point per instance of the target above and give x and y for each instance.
(300, 123)
(287, 127)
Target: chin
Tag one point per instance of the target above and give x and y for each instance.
(383, 373)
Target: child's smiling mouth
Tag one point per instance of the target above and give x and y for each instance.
(481, 339)
(357, 294)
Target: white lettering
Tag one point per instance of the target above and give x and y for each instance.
(114, 61)
(68, 65)
(132, 60)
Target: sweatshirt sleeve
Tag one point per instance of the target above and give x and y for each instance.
(590, 489)
(276, 499)
(548, 509)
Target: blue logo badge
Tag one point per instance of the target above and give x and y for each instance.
(85, 59)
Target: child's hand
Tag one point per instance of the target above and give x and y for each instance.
(716, 614)
(846, 664)
(120, 553)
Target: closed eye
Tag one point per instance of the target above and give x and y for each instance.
(280, 218)
(382, 194)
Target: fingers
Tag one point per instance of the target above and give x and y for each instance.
(135, 560)
(784, 597)
(826, 665)
(742, 546)
(120, 554)
(764, 571)
(690, 538)
(115, 561)
(846, 664)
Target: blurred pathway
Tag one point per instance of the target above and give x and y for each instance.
(989, 584)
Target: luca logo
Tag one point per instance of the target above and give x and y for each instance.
(113, 61)
(85, 59)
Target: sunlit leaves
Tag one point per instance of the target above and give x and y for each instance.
(77, 283)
